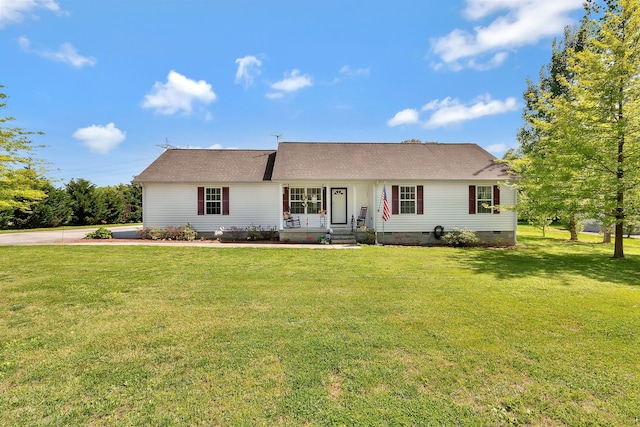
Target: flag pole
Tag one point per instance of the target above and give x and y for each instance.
(377, 219)
(385, 208)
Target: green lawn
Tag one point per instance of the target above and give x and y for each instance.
(548, 334)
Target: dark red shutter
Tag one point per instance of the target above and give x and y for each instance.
(472, 200)
(395, 200)
(225, 200)
(324, 198)
(285, 200)
(200, 200)
(496, 199)
(420, 200)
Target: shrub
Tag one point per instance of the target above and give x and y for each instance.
(234, 233)
(171, 232)
(460, 237)
(188, 233)
(100, 233)
(269, 233)
(323, 240)
(253, 232)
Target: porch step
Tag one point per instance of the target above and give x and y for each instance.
(343, 236)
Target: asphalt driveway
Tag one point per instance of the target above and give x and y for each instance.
(126, 235)
(61, 236)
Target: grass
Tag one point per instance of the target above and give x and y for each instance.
(548, 334)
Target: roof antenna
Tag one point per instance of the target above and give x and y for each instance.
(166, 144)
(277, 137)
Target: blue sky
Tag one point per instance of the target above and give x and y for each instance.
(111, 81)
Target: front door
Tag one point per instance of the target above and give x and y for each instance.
(338, 206)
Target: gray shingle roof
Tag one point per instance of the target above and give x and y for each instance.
(206, 165)
(327, 161)
(385, 161)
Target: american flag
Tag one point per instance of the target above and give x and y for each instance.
(386, 213)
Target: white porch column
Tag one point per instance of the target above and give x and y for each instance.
(281, 187)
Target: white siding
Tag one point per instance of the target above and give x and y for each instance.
(177, 204)
(446, 203)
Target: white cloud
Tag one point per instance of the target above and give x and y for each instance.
(248, 70)
(449, 111)
(497, 149)
(274, 95)
(67, 53)
(523, 22)
(346, 72)
(100, 139)
(405, 117)
(15, 11)
(354, 74)
(292, 82)
(178, 93)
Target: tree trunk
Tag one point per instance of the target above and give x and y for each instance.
(573, 229)
(618, 251)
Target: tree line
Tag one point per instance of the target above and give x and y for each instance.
(79, 202)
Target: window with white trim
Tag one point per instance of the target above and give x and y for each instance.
(407, 199)
(213, 201)
(484, 199)
(305, 200)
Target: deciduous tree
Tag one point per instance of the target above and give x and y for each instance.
(594, 131)
(20, 171)
(545, 186)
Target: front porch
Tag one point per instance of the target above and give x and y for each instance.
(337, 235)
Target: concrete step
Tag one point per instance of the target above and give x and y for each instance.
(343, 236)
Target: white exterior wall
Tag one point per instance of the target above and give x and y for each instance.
(177, 204)
(446, 203)
(260, 204)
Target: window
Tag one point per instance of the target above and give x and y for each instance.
(305, 200)
(407, 199)
(484, 199)
(213, 201)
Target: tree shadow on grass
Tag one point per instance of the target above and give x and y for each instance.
(541, 262)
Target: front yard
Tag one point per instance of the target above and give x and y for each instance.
(548, 334)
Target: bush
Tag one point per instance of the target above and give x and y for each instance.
(460, 237)
(323, 240)
(257, 232)
(188, 233)
(234, 233)
(100, 233)
(171, 232)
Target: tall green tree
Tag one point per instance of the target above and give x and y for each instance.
(541, 200)
(594, 131)
(86, 202)
(132, 203)
(20, 171)
(52, 211)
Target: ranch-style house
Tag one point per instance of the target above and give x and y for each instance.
(305, 190)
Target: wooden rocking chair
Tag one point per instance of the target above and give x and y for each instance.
(291, 222)
(362, 218)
